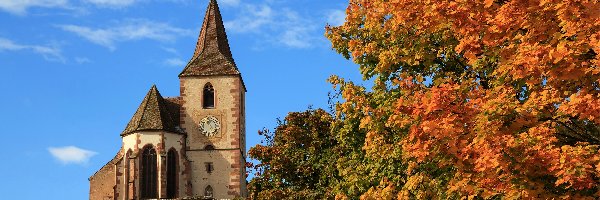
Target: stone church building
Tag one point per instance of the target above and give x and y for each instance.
(186, 147)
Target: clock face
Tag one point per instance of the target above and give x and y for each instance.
(209, 126)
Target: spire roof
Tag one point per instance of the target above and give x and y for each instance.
(153, 114)
(212, 55)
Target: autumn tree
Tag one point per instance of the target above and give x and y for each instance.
(295, 158)
(485, 99)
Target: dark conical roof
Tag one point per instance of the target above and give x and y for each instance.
(153, 114)
(212, 55)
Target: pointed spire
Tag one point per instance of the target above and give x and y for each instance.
(153, 114)
(212, 55)
(213, 31)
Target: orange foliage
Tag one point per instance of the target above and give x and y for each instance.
(510, 100)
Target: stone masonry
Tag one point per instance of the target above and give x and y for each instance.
(169, 149)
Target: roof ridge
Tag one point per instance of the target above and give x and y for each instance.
(152, 114)
(145, 104)
(214, 6)
(116, 157)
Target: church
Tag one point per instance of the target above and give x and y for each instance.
(187, 147)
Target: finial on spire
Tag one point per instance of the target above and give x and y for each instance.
(212, 55)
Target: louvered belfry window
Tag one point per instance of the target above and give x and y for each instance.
(149, 174)
(172, 174)
(208, 96)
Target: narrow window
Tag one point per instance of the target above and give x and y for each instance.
(172, 174)
(209, 147)
(208, 96)
(128, 173)
(149, 174)
(209, 167)
(208, 192)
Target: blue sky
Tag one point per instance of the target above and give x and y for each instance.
(72, 74)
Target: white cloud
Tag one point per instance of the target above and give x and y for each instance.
(71, 154)
(336, 17)
(282, 26)
(175, 62)
(20, 7)
(102, 37)
(295, 37)
(171, 50)
(128, 30)
(253, 19)
(6, 44)
(51, 52)
(230, 2)
(82, 60)
(111, 3)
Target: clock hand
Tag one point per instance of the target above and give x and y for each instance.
(206, 127)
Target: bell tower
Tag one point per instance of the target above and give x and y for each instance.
(212, 114)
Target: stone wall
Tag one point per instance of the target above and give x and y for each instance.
(228, 177)
(103, 182)
(118, 179)
(162, 143)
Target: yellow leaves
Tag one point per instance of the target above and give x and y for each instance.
(385, 191)
(576, 166)
(476, 116)
(341, 197)
(458, 184)
(488, 3)
(585, 106)
(560, 52)
(420, 186)
(412, 165)
(544, 2)
(469, 46)
(420, 78)
(365, 122)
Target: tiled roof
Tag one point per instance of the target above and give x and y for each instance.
(110, 163)
(212, 55)
(153, 114)
(173, 105)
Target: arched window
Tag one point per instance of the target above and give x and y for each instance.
(149, 174)
(209, 167)
(208, 96)
(172, 174)
(209, 147)
(208, 192)
(128, 173)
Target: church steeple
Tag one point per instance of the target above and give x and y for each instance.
(191, 146)
(212, 55)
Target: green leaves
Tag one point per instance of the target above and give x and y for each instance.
(471, 99)
(295, 160)
(511, 84)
